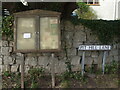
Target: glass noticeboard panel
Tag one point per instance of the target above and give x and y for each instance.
(49, 35)
(26, 33)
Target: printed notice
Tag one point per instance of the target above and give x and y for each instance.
(27, 35)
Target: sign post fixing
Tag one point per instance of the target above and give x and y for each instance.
(104, 48)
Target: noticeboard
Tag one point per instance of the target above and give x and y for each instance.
(37, 33)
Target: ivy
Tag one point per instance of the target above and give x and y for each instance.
(7, 27)
(106, 31)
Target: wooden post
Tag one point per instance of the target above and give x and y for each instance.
(103, 61)
(53, 71)
(83, 59)
(22, 71)
(0, 80)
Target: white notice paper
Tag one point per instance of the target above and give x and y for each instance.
(27, 35)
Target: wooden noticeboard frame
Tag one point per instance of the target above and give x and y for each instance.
(36, 16)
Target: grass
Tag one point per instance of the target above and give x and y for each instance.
(37, 78)
(111, 68)
(65, 84)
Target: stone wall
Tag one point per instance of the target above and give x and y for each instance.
(72, 37)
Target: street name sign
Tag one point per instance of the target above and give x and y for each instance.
(94, 47)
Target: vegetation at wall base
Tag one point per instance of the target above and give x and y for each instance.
(37, 78)
(112, 68)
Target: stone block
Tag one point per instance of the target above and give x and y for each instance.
(43, 61)
(6, 68)
(79, 27)
(88, 60)
(5, 51)
(88, 53)
(68, 26)
(1, 56)
(31, 61)
(71, 52)
(10, 49)
(91, 37)
(80, 53)
(76, 44)
(19, 54)
(113, 53)
(18, 59)
(0, 43)
(4, 43)
(76, 68)
(68, 35)
(80, 36)
(55, 64)
(99, 66)
(115, 46)
(11, 43)
(14, 68)
(116, 58)
(1, 68)
(94, 54)
(100, 59)
(95, 61)
(57, 68)
(8, 60)
(88, 66)
(62, 66)
(75, 60)
(20, 68)
(68, 39)
(27, 68)
(61, 55)
(1, 61)
(47, 68)
(109, 59)
(69, 44)
(54, 59)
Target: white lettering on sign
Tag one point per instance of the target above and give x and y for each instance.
(27, 35)
(94, 47)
